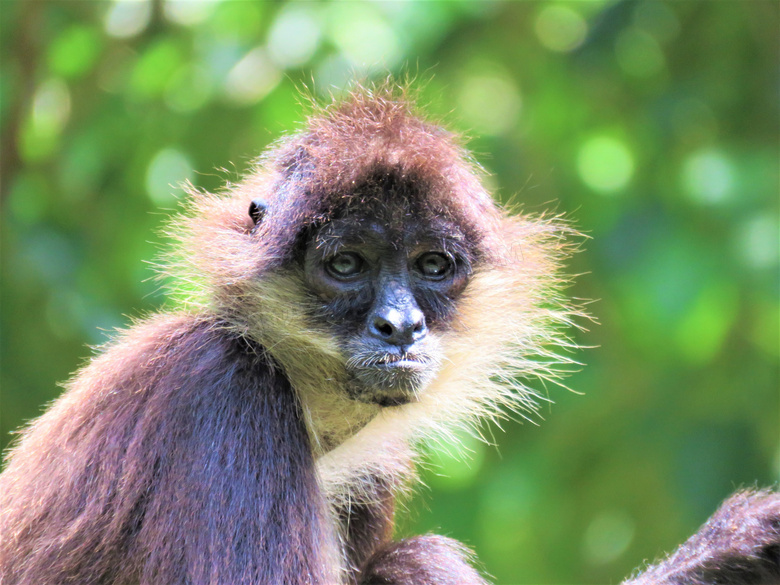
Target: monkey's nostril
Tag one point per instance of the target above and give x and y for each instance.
(385, 329)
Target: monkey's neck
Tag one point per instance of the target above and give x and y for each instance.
(331, 416)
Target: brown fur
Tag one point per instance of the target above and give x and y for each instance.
(157, 466)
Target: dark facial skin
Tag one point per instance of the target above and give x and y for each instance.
(385, 287)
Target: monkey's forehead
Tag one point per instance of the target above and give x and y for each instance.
(390, 196)
(377, 151)
(398, 231)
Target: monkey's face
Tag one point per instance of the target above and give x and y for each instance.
(385, 289)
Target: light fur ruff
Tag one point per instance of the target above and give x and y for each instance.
(512, 318)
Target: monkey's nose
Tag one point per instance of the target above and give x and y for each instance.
(398, 327)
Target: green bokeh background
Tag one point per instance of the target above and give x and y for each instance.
(653, 125)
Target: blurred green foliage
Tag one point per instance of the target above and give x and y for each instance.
(654, 125)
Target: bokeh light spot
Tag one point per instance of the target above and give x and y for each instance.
(168, 169)
(490, 104)
(701, 332)
(252, 78)
(708, 176)
(154, 68)
(363, 36)
(189, 12)
(50, 112)
(240, 21)
(188, 89)
(605, 164)
(638, 53)
(74, 52)
(560, 28)
(294, 36)
(333, 72)
(759, 240)
(51, 105)
(127, 18)
(608, 536)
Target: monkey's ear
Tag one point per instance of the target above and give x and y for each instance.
(257, 210)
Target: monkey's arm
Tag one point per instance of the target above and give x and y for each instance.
(422, 560)
(177, 456)
(739, 545)
(377, 559)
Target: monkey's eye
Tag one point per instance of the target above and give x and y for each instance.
(434, 265)
(344, 265)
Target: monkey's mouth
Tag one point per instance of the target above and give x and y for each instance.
(399, 369)
(411, 361)
(390, 379)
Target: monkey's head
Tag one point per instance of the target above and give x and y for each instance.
(386, 276)
(377, 271)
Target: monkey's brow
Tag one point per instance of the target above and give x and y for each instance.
(442, 232)
(348, 231)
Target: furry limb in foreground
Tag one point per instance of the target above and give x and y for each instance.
(422, 560)
(738, 545)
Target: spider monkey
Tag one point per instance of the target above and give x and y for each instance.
(357, 294)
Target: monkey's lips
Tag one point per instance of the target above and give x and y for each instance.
(391, 361)
(391, 379)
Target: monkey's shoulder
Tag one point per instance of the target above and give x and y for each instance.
(166, 367)
(182, 344)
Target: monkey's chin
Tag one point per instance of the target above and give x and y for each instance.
(390, 384)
